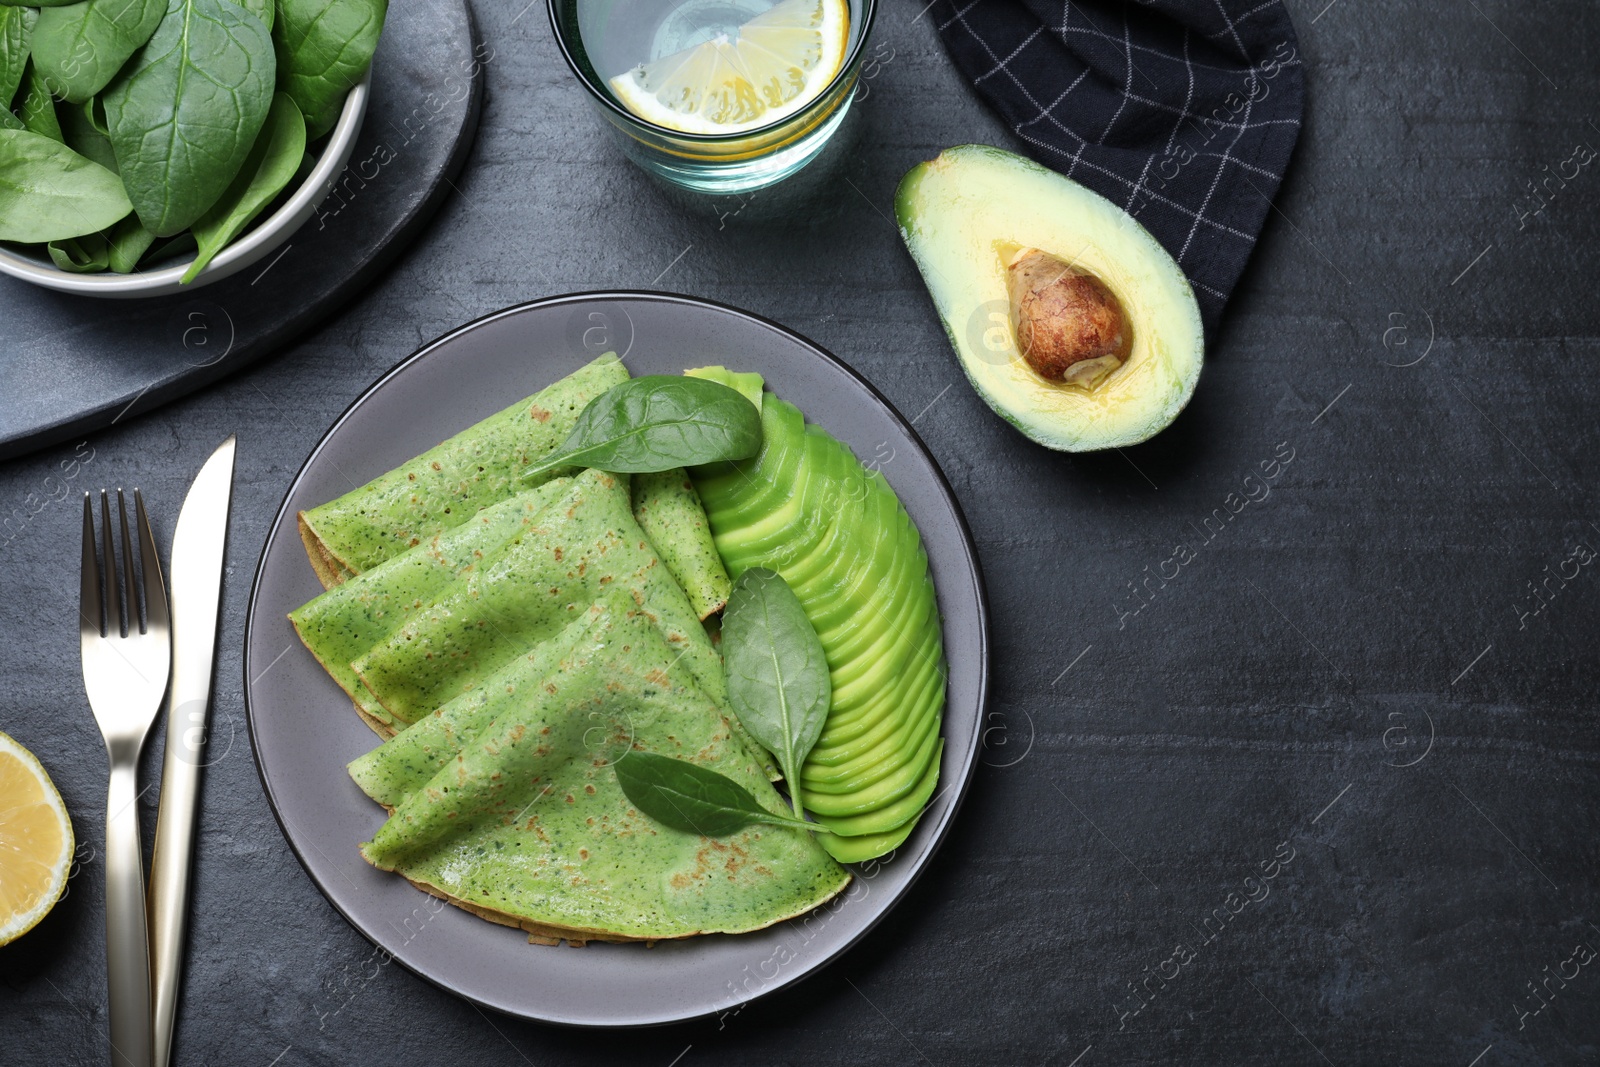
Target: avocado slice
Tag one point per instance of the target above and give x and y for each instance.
(747, 384)
(891, 816)
(926, 670)
(872, 791)
(841, 750)
(1070, 320)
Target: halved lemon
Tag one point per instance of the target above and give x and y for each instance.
(35, 841)
(775, 64)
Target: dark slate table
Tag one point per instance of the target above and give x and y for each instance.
(1358, 676)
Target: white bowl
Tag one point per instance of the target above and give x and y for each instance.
(262, 238)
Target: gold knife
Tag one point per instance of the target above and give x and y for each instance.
(198, 544)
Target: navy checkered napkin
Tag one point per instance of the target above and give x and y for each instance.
(1183, 112)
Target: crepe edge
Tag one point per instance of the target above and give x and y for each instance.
(540, 933)
(329, 568)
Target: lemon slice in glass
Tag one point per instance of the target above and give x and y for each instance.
(35, 841)
(775, 64)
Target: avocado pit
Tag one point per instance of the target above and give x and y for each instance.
(1070, 326)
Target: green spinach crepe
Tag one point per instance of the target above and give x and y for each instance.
(345, 622)
(513, 637)
(582, 543)
(668, 509)
(480, 466)
(412, 505)
(505, 801)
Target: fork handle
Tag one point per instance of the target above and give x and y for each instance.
(127, 942)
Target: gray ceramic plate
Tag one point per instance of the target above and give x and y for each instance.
(304, 730)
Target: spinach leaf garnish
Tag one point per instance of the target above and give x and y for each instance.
(691, 798)
(778, 679)
(658, 422)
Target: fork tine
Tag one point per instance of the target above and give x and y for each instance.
(155, 589)
(91, 616)
(130, 590)
(109, 570)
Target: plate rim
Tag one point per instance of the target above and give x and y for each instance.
(940, 829)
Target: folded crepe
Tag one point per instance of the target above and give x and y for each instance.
(669, 511)
(345, 622)
(432, 623)
(505, 801)
(412, 505)
(582, 543)
(446, 485)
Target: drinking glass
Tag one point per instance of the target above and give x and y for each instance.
(710, 163)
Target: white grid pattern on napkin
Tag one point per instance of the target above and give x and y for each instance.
(1216, 129)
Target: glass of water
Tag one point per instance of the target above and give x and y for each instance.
(717, 96)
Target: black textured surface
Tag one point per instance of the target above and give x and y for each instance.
(1266, 694)
(72, 364)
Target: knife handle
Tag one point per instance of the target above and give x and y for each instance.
(171, 863)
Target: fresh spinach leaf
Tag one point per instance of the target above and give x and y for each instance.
(80, 47)
(16, 36)
(36, 3)
(80, 255)
(185, 111)
(265, 10)
(38, 108)
(83, 135)
(691, 798)
(659, 422)
(778, 679)
(8, 121)
(129, 241)
(324, 49)
(49, 192)
(270, 166)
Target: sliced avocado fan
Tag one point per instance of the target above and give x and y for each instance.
(507, 803)
(836, 532)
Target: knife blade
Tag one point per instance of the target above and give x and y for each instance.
(199, 542)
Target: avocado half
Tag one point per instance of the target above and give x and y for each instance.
(972, 213)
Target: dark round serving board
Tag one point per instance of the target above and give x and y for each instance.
(70, 364)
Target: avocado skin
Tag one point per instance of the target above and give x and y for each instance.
(806, 507)
(958, 211)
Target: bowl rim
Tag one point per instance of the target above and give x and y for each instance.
(847, 70)
(260, 239)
